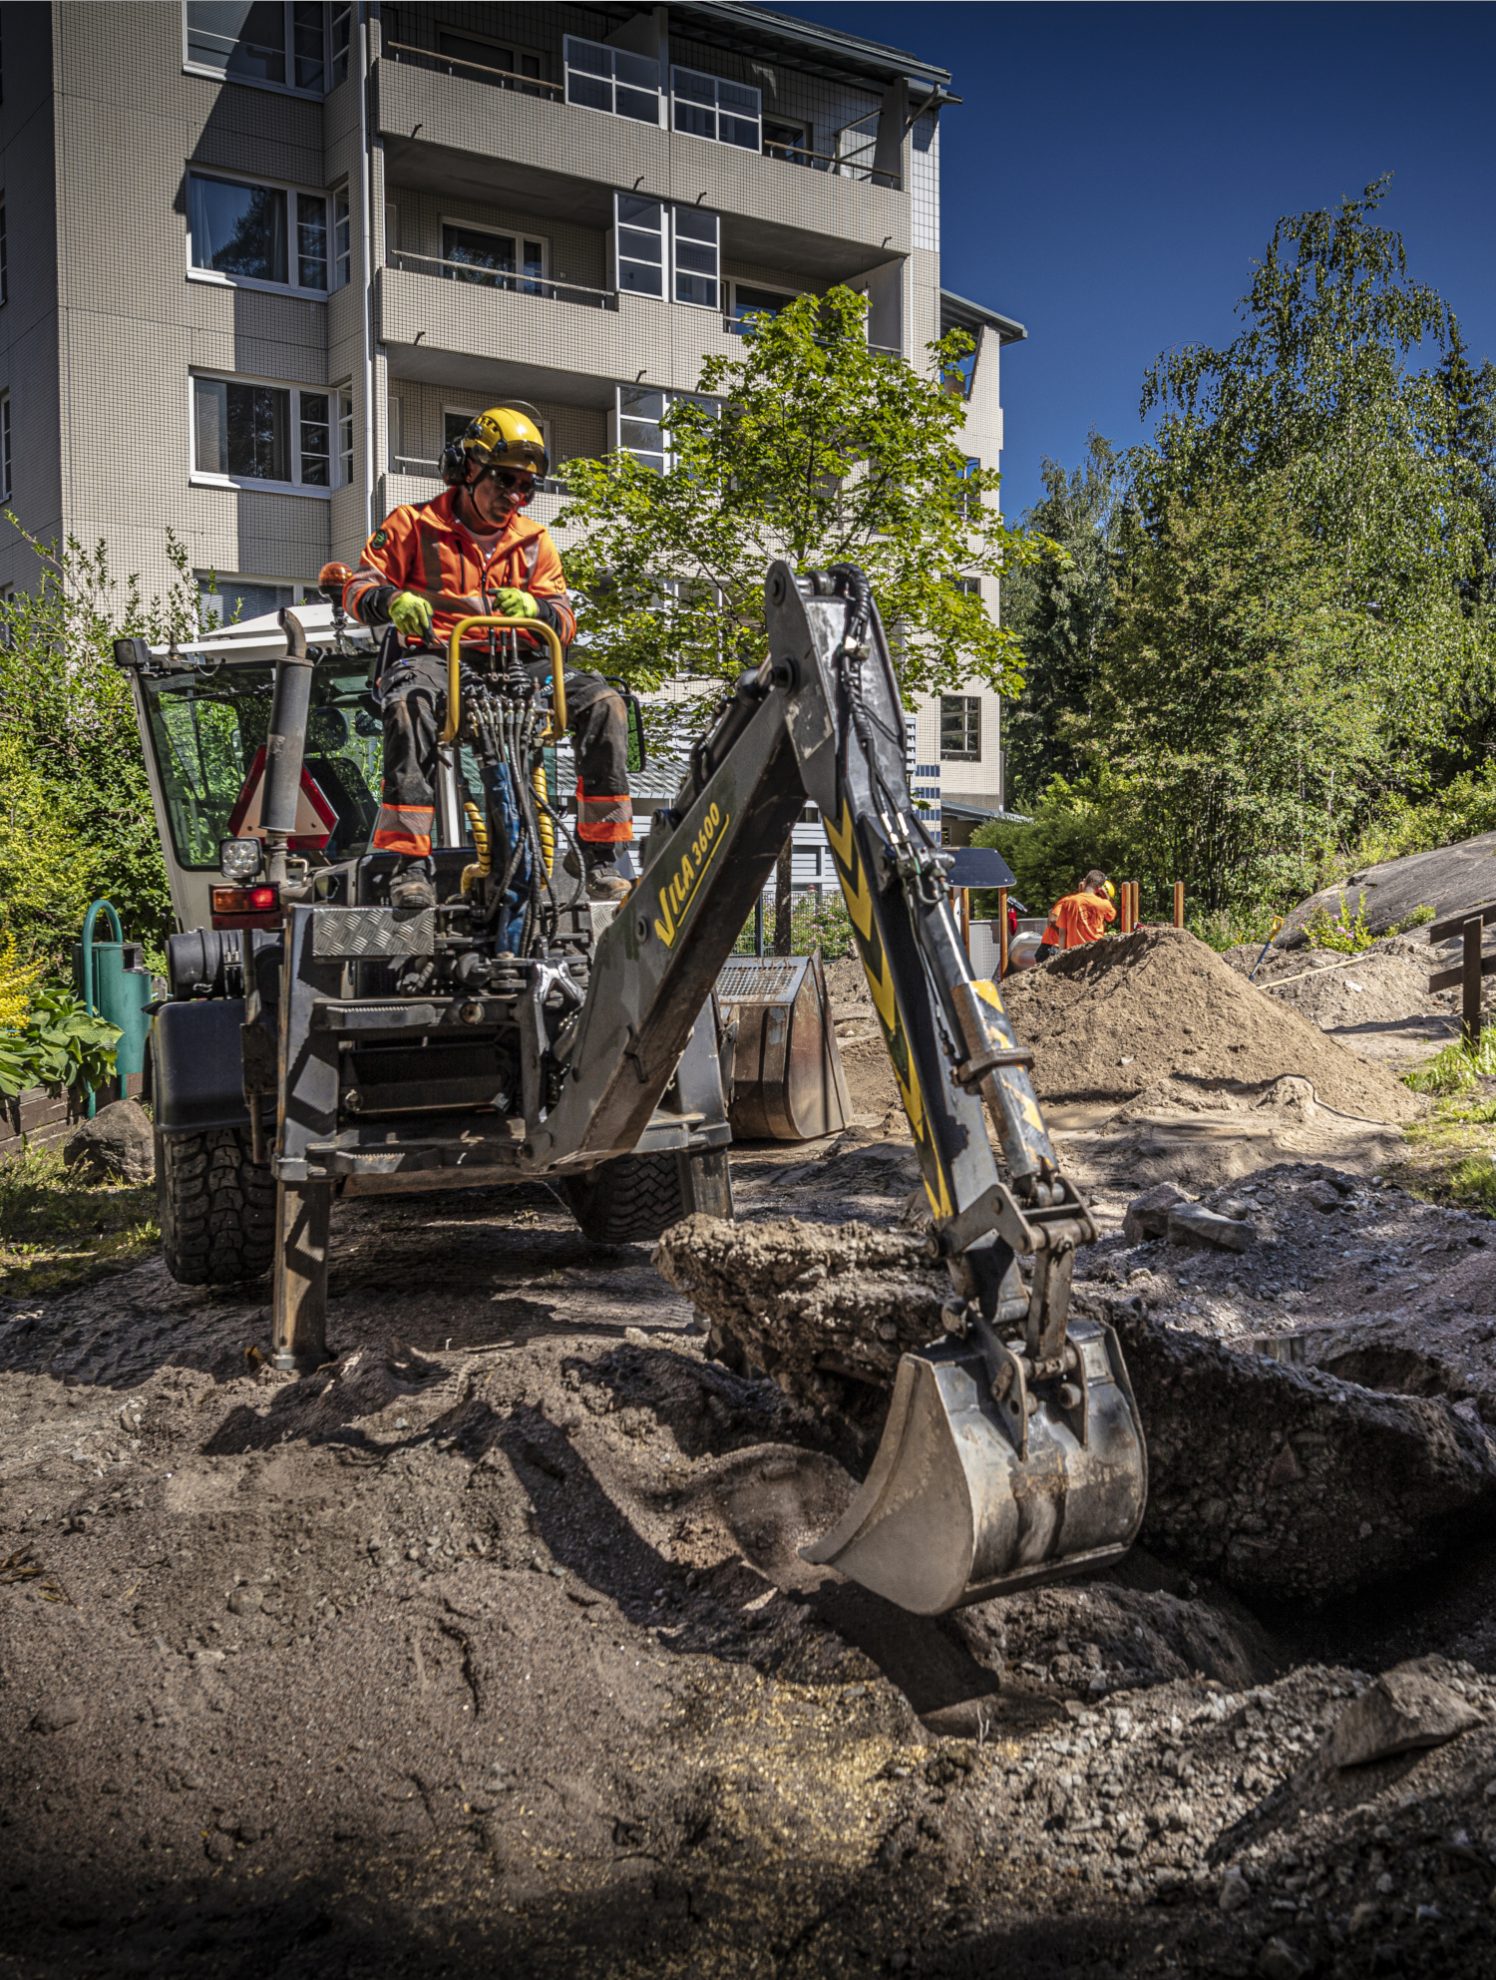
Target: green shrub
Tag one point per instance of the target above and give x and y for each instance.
(1421, 916)
(59, 1044)
(1458, 1067)
(1346, 931)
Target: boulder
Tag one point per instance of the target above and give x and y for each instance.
(1148, 1215)
(1404, 1709)
(1192, 1223)
(115, 1146)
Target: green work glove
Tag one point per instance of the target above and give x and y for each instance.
(410, 614)
(513, 604)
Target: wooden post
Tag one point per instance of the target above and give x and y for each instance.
(303, 1214)
(966, 921)
(1002, 933)
(1470, 983)
(1137, 904)
(1127, 923)
(1179, 904)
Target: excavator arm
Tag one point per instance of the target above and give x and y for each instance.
(1012, 1450)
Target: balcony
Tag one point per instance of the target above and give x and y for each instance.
(452, 126)
(534, 338)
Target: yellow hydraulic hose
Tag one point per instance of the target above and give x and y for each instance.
(547, 829)
(483, 864)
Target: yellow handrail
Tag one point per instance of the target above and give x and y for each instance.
(454, 671)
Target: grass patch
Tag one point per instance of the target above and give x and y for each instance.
(57, 1231)
(1451, 1157)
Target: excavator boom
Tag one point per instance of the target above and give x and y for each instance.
(1012, 1450)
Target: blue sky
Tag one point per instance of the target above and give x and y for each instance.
(1114, 170)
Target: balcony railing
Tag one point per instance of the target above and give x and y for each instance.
(789, 153)
(480, 277)
(452, 65)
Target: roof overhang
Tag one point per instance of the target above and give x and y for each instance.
(824, 50)
(962, 310)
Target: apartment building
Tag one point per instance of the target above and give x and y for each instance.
(259, 259)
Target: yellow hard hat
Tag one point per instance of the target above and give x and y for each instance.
(1111, 892)
(504, 436)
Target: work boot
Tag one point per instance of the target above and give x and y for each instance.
(604, 881)
(412, 885)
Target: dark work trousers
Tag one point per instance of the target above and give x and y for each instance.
(413, 697)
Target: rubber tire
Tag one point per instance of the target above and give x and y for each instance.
(215, 1206)
(629, 1200)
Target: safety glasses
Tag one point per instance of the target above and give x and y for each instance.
(514, 483)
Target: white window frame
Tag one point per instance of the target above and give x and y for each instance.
(972, 713)
(667, 400)
(716, 108)
(6, 491)
(216, 278)
(519, 236)
(314, 491)
(344, 444)
(340, 237)
(678, 274)
(671, 274)
(570, 41)
(288, 49)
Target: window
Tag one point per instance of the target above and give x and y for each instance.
(960, 373)
(224, 599)
(697, 261)
(791, 141)
(281, 42)
(500, 261)
(612, 79)
(5, 489)
(960, 728)
(711, 107)
(341, 33)
(640, 230)
(968, 499)
(639, 235)
(273, 234)
(247, 432)
(397, 429)
(343, 400)
(749, 301)
(342, 239)
(641, 433)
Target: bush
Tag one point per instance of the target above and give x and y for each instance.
(59, 1044)
(1346, 932)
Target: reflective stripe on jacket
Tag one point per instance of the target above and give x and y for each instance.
(427, 550)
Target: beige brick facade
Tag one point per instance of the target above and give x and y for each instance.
(114, 347)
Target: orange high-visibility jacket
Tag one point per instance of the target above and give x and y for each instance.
(1077, 919)
(426, 549)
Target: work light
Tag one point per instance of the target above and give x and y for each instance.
(238, 859)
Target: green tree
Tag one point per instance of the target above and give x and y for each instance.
(76, 819)
(1062, 608)
(812, 447)
(1290, 646)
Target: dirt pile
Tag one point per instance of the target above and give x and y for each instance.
(1109, 1021)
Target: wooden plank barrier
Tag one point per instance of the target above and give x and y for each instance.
(1472, 968)
(1002, 933)
(1179, 904)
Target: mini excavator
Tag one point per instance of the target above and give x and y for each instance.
(317, 1042)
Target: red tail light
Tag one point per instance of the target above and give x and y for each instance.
(244, 907)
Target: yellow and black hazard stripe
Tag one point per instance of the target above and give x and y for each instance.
(859, 898)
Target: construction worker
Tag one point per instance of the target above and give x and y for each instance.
(472, 551)
(1080, 917)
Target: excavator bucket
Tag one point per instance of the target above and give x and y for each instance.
(787, 1079)
(962, 1503)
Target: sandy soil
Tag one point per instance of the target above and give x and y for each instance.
(490, 1648)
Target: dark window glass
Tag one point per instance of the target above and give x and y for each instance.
(239, 37)
(243, 429)
(960, 728)
(237, 230)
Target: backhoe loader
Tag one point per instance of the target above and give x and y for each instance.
(318, 1043)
